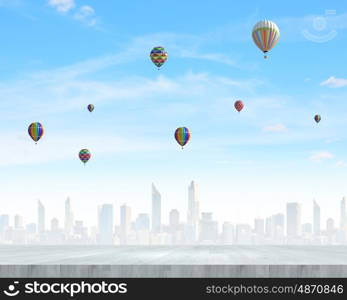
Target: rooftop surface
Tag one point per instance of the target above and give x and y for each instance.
(173, 255)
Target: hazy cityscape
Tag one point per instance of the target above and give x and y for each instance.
(196, 227)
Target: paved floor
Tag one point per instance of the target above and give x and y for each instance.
(171, 255)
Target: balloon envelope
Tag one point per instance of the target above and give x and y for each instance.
(238, 105)
(265, 35)
(182, 135)
(35, 131)
(158, 56)
(84, 155)
(317, 118)
(90, 107)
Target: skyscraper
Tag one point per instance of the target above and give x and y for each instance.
(125, 223)
(277, 222)
(142, 222)
(4, 224)
(156, 210)
(208, 228)
(40, 218)
(259, 226)
(69, 218)
(174, 219)
(105, 224)
(228, 233)
(193, 204)
(293, 220)
(54, 225)
(18, 222)
(316, 218)
(343, 214)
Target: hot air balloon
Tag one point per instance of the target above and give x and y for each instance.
(265, 35)
(317, 118)
(90, 107)
(238, 105)
(35, 131)
(158, 56)
(182, 135)
(84, 155)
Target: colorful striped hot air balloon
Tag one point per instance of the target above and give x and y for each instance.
(238, 105)
(182, 136)
(90, 107)
(158, 56)
(265, 35)
(317, 118)
(35, 131)
(84, 155)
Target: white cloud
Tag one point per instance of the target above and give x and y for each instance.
(322, 155)
(341, 164)
(62, 6)
(86, 15)
(334, 82)
(275, 128)
(22, 150)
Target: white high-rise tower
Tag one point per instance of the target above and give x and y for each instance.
(69, 218)
(193, 204)
(156, 210)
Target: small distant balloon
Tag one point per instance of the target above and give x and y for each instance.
(158, 56)
(90, 107)
(84, 155)
(35, 131)
(317, 118)
(238, 105)
(182, 136)
(265, 35)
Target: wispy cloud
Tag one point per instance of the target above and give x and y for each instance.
(216, 57)
(62, 6)
(322, 155)
(86, 15)
(334, 82)
(275, 128)
(341, 164)
(69, 145)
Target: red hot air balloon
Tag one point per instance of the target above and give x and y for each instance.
(238, 105)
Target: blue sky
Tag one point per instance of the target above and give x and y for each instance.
(58, 56)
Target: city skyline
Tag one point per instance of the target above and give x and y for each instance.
(250, 163)
(194, 227)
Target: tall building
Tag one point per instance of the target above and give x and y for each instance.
(208, 228)
(105, 224)
(41, 217)
(228, 233)
(343, 214)
(316, 218)
(277, 221)
(243, 234)
(293, 220)
(68, 218)
(142, 222)
(125, 223)
(18, 222)
(331, 231)
(174, 219)
(54, 225)
(4, 224)
(156, 210)
(330, 225)
(193, 204)
(259, 226)
(269, 227)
